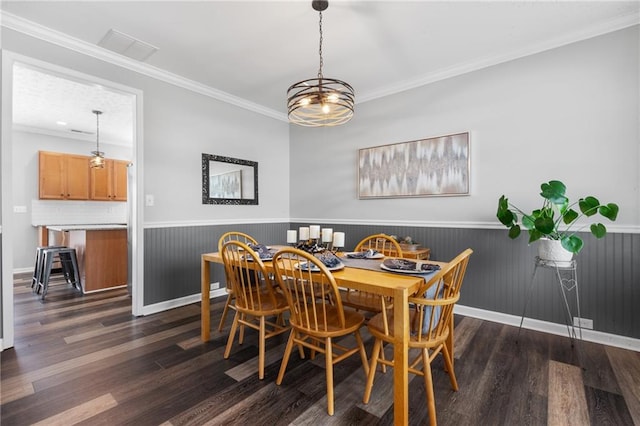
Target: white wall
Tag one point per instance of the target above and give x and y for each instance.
(570, 114)
(180, 125)
(25, 183)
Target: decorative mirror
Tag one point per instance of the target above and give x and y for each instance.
(227, 180)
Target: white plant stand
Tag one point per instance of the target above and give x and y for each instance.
(567, 282)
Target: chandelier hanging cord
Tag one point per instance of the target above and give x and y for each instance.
(320, 48)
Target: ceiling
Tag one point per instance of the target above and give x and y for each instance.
(252, 51)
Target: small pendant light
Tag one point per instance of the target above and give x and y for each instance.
(97, 161)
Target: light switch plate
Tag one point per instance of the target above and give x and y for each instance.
(149, 200)
(19, 209)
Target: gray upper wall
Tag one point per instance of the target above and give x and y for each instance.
(570, 113)
(179, 125)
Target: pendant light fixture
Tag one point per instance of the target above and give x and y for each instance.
(320, 101)
(97, 161)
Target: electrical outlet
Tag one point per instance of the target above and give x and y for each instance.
(583, 323)
(19, 209)
(214, 286)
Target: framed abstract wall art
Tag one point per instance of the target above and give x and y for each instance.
(437, 166)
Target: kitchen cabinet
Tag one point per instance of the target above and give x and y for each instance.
(101, 251)
(63, 176)
(110, 182)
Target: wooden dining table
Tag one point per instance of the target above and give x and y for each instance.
(396, 285)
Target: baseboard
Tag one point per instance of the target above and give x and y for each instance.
(182, 301)
(549, 327)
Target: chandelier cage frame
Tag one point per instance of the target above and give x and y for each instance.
(320, 101)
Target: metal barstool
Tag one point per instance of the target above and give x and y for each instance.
(69, 261)
(37, 268)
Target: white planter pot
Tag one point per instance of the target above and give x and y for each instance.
(552, 250)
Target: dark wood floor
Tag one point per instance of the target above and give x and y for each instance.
(83, 359)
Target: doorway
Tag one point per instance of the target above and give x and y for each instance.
(13, 223)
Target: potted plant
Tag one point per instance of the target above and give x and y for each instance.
(556, 212)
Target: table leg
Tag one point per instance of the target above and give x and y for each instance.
(205, 304)
(401, 357)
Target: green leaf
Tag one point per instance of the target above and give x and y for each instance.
(514, 232)
(527, 222)
(534, 235)
(544, 224)
(554, 191)
(589, 206)
(504, 215)
(507, 218)
(573, 243)
(570, 216)
(599, 230)
(610, 211)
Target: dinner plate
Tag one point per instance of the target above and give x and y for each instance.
(358, 255)
(303, 266)
(241, 249)
(417, 269)
(264, 259)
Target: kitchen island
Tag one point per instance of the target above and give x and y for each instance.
(101, 250)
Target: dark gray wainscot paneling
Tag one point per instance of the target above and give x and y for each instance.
(498, 276)
(172, 256)
(500, 271)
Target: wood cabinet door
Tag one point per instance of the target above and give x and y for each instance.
(51, 177)
(110, 182)
(119, 180)
(101, 182)
(77, 177)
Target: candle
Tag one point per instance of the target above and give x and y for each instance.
(314, 232)
(292, 236)
(338, 239)
(327, 235)
(304, 233)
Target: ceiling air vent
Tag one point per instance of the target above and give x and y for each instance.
(126, 45)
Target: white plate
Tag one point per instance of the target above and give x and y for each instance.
(264, 259)
(410, 271)
(303, 265)
(375, 256)
(241, 249)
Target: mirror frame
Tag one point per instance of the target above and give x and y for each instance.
(206, 199)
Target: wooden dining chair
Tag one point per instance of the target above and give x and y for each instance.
(317, 317)
(255, 299)
(431, 328)
(231, 236)
(362, 300)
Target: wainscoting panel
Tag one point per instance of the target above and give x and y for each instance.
(500, 273)
(172, 256)
(498, 278)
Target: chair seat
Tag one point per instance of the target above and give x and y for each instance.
(267, 307)
(376, 328)
(352, 320)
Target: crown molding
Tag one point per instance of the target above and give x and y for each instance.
(41, 32)
(615, 24)
(16, 23)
